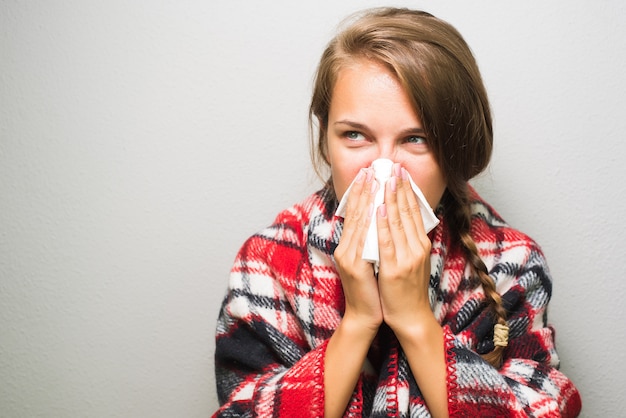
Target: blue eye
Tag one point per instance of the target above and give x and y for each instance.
(354, 136)
(416, 140)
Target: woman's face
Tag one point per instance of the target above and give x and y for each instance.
(371, 117)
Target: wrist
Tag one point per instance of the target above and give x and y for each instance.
(358, 327)
(420, 328)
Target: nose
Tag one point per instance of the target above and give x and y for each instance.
(388, 151)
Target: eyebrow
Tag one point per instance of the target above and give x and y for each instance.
(361, 126)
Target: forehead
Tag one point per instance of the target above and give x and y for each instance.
(366, 72)
(367, 91)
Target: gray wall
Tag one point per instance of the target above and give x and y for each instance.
(140, 145)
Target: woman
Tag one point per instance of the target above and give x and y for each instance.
(450, 322)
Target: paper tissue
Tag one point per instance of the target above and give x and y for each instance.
(382, 172)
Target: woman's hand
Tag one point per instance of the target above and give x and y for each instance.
(349, 344)
(357, 275)
(403, 280)
(404, 256)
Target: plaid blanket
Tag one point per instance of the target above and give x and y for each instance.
(285, 299)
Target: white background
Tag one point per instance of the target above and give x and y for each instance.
(141, 143)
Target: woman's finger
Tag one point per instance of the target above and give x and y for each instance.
(409, 209)
(359, 211)
(413, 203)
(399, 225)
(386, 246)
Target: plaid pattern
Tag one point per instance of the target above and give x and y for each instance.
(285, 299)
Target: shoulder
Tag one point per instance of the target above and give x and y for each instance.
(290, 228)
(270, 261)
(512, 257)
(292, 224)
(489, 228)
(319, 203)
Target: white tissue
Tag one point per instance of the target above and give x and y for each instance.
(382, 172)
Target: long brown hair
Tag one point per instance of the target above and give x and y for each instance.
(436, 67)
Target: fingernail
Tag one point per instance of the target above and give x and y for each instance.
(359, 176)
(382, 209)
(397, 170)
(392, 184)
(374, 186)
(405, 174)
(370, 175)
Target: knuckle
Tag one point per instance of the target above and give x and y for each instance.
(367, 189)
(362, 223)
(386, 243)
(397, 224)
(354, 214)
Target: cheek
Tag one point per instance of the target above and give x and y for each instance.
(344, 168)
(343, 175)
(431, 182)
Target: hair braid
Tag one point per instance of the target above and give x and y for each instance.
(458, 213)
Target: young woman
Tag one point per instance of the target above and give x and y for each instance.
(450, 322)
